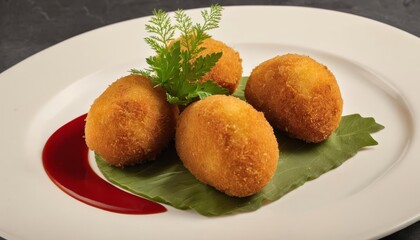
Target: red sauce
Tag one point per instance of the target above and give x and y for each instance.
(65, 159)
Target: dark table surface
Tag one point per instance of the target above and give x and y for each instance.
(30, 26)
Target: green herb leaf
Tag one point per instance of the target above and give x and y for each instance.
(177, 66)
(240, 91)
(166, 180)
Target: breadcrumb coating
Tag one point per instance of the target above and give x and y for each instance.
(298, 95)
(228, 70)
(226, 143)
(131, 122)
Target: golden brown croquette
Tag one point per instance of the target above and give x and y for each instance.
(226, 143)
(298, 95)
(131, 122)
(228, 70)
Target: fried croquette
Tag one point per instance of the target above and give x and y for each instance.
(227, 144)
(131, 122)
(298, 95)
(228, 70)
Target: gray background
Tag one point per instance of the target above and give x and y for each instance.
(29, 26)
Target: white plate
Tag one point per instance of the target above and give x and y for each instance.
(373, 194)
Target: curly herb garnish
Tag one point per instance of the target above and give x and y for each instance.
(178, 65)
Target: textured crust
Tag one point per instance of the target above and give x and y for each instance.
(131, 122)
(297, 95)
(226, 143)
(228, 70)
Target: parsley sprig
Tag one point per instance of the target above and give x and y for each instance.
(178, 65)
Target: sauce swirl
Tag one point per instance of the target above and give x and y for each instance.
(65, 159)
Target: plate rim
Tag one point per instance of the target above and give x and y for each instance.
(40, 55)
